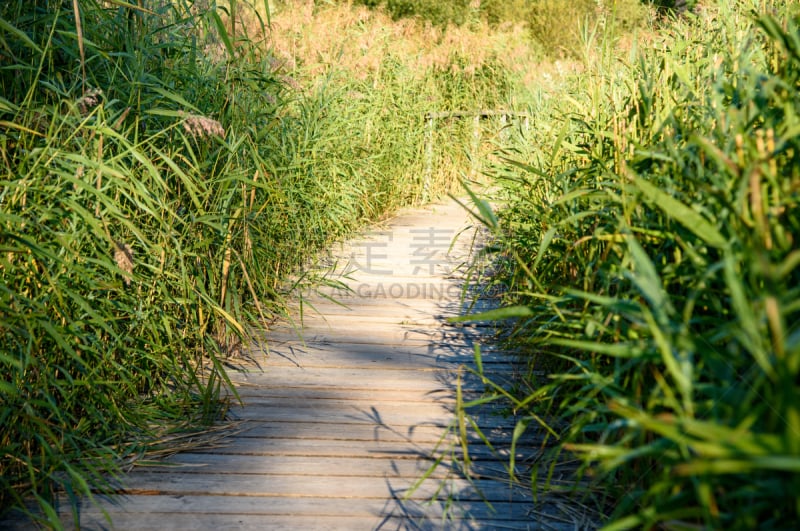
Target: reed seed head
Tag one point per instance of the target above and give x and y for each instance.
(123, 256)
(89, 100)
(200, 126)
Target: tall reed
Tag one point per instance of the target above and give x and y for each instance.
(650, 235)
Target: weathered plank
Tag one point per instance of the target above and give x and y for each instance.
(390, 450)
(221, 522)
(326, 431)
(386, 356)
(397, 336)
(290, 506)
(312, 466)
(434, 382)
(389, 307)
(429, 379)
(276, 513)
(372, 396)
(415, 434)
(179, 483)
(371, 416)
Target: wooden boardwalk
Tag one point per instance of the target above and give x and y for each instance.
(341, 423)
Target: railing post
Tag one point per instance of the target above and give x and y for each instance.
(476, 145)
(429, 130)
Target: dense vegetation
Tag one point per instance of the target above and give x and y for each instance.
(650, 247)
(164, 169)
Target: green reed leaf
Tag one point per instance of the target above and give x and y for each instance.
(745, 316)
(19, 34)
(686, 216)
(510, 312)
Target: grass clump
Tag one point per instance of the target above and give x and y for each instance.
(159, 185)
(650, 241)
(561, 27)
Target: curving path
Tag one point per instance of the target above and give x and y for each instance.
(340, 425)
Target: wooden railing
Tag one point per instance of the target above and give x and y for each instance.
(430, 127)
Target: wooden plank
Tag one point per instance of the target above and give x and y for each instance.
(210, 505)
(450, 340)
(375, 397)
(359, 487)
(285, 465)
(391, 307)
(367, 409)
(411, 409)
(352, 433)
(377, 449)
(300, 514)
(470, 114)
(313, 320)
(354, 354)
(404, 518)
(357, 433)
(385, 336)
(354, 377)
(390, 334)
(313, 466)
(364, 378)
(307, 357)
(325, 507)
(225, 512)
(444, 352)
(370, 416)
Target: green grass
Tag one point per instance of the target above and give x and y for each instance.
(159, 185)
(649, 235)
